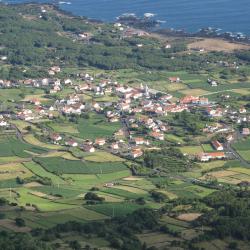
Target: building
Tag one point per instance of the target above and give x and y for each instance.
(141, 141)
(204, 157)
(136, 152)
(157, 135)
(71, 143)
(174, 79)
(88, 148)
(100, 141)
(217, 145)
(245, 131)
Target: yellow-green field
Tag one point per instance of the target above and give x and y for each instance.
(102, 156)
(34, 141)
(13, 170)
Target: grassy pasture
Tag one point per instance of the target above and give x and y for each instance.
(22, 125)
(40, 171)
(114, 209)
(88, 180)
(11, 159)
(207, 148)
(194, 92)
(122, 193)
(191, 150)
(102, 156)
(64, 191)
(63, 166)
(211, 165)
(42, 204)
(96, 126)
(13, 170)
(30, 138)
(64, 128)
(11, 146)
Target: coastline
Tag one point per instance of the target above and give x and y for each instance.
(162, 33)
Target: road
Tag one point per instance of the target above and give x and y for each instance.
(237, 137)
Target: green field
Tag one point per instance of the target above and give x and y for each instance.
(11, 146)
(63, 166)
(243, 148)
(40, 171)
(96, 126)
(114, 209)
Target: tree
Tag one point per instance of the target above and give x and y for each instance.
(20, 222)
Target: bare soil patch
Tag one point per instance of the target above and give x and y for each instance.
(212, 44)
(189, 216)
(10, 224)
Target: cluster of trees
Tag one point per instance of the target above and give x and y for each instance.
(230, 216)
(191, 123)
(119, 232)
(32, 41)
(167, 160)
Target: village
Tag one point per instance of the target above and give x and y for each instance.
(141, 111)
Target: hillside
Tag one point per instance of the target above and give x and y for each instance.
(115, 138)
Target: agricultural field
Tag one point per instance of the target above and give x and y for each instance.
(13, 170)
(243, 148)
(63, 166)
(11, 146)
(31, 139)
(95, 127)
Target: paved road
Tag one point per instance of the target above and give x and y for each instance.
(237, 137)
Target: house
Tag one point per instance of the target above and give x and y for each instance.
(213, 83)
(189, 99)
(204, 157)
(245, 131)
(229, 137)
(242, 110)
(88, 148)
(115, 146)
(56, 69)
(140, 141)
(35, 101)
(217, 145)
(3, 123)
(71, 143)
(157, 135)
(174, 79)
(55, 137)
(203, 101)
(136, 152)
(100, 141)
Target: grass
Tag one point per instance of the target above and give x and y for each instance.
(96, 126)
(63, 166)
(11, 146)
(174, 138)
(41, 172)
(64, 128)
(10, 159)
(207, 148)
(22, 125)
(101, 156)
(13, 170)
(122, 193)
(58, 190)
(192, 150)
(42, 204)
(194, 92)
(211, 165)
(114, 209)
(88, 180)
(30, 138)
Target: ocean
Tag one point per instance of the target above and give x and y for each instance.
(190, 15)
